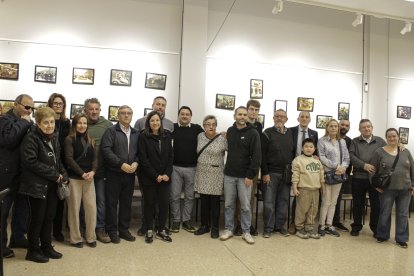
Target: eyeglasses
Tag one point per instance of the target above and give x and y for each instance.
(57, 103)
(125, 113)
(27, 107)
(210, 125)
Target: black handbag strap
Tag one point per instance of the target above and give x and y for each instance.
(206, 145)
(396, 160)
(340, 151)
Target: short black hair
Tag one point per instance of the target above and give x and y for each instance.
(185, 107)
(308, 140)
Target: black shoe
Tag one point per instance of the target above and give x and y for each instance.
(59, 237)
(23, 243)
(187, 226)
(402, 244)
(51, 253)
(142, 231)
(354, 233)
(114, 238)
(381, 240)
(175, 227)
(238, 230)
(163, 236)
(202, 230)
(78, 244)
(91, 244)
(126, 236)
(36, 256)
(214, 234)
(321, 230)
(149, 237)
(7, 252)
(339, 226)
(253, 231)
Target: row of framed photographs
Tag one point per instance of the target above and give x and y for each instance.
(48, 74)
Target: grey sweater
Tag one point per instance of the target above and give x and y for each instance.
(403, 175)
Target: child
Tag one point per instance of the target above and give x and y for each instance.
(307, 179)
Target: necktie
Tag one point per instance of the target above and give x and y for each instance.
(303, 135)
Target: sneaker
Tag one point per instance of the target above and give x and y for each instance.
(149, 237)
(175, 227)
(266, 235)
(302, 234)
(354, 233)
(402, 244)
(238, 230)
(7, 252)
(187, 226)
(331, 231)
(292, 229)
(248, 238)
(163, 236)
(381, 240)
(202, 230)
(253, 231)
(23, 243)
(283, 232)
(227, 234)
(341, 227)
(321, 230)
(126, 236)
(313, 235)
(102, 236)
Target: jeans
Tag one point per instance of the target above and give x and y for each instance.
(275, 202)
(182, 177)
(20, 216)
(402, 202)
(100, 202)
(234, 187)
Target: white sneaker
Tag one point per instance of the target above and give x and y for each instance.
(248, 238)
(227, 234)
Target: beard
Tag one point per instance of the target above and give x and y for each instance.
(343, 131)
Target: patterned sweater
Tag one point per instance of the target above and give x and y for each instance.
(307, 172)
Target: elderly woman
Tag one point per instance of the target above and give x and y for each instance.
(209, 176)
(399, 190)
(42, 170)
(155, 154)
(334, 156)
(81, 160)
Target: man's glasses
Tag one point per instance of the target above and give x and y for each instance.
(27, 107)
(125, 113)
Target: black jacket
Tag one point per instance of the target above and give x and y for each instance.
(41, 165)
(114, 146)
(154, 161)
(12, 131)
(311, 133)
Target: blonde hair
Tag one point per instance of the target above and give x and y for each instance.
(43, 113)
(338, 135)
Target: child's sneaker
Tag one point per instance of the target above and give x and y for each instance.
(332, 231)
(302, 234)
(313, 235)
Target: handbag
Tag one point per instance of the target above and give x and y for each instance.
(330, 177)
(63, 190)
(381, 181)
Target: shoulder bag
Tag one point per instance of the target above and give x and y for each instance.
(382, 181)
(206, 145)
(330, 177)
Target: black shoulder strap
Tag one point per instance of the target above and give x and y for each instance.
(396, 160)
(206, 145)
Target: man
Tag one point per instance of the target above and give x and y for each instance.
(97, 125)
(253, 109)
(277, 156)
(120, 152)
(243, 162)
(361, 151)
(344, 126)
(300, 133)
(159, 104)
(13, 127)
(184, 167)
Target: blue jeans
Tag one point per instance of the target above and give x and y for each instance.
(100, 202)
(276, 201)
(234, 187)
(20, 216)
(402, 202)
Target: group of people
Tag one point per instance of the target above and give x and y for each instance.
(99, 160)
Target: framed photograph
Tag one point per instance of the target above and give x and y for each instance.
(256, 89)
(83, 76)
(343, 111)
(9, 71)
(121, 77)
(147, 110)
(261, 119)
(305, 104)
(38, 105)
(225, 101)
(404, 133)
(76, 109)
(280, 104)
(321, 120)
(113, 113)
(45, 74)
(404, 112)
(5, 105)
(155, 81)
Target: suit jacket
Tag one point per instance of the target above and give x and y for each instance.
(311, 133)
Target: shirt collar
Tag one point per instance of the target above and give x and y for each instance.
(280, 130)
(189, 125)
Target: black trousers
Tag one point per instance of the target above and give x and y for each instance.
(359, 189)
(156, 197)
(57, 221)
(42, 212)
(210, 210)
(119, 192)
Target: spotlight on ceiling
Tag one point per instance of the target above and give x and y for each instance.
(278, 7)
(406, 29)
(358, 20)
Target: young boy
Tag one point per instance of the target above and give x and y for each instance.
(307, 180)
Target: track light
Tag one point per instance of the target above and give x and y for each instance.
(406, 29)
(278, 7)
(358, 20)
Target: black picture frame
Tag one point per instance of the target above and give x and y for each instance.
(343, 111)
(113, 113)
(9, 71)
(5, 106)
(256, 89)
(321, 121)
(120, 77)
(305, 104)
(83, 76)
(38, 104)
(280, 104)
(404, 112)
(226, 102)
(47, 74)
(155, 81)
(261, 119)
(147, 110)
(404, 133)
(76, 109)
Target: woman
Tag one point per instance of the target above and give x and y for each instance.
(42, 170)
(155, 156)
(334, 156)
(81, 161)
(209, 175)
(57, 102)
(399, 190)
